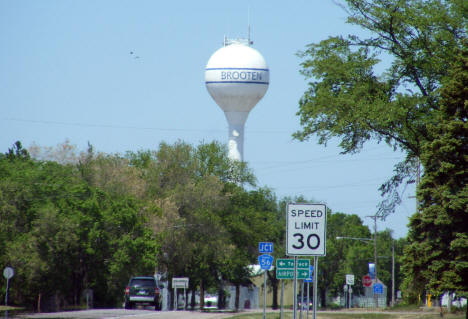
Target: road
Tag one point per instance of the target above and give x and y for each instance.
(127, 314)
(151, 314)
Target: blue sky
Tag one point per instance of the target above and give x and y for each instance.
(67, 72)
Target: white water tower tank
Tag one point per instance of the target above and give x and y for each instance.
(236, 77)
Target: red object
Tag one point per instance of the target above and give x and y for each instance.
(127, 290)
(367, 280)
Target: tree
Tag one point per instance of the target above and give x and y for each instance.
(197, 191)
(63, 235)
(250, 218)
(437, 257)
(348, 100)
(343, 256)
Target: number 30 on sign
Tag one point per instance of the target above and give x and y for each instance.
(306, 226)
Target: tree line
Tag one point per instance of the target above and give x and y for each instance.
(71, 222)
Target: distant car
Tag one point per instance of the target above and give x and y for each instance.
(303, 304)
(211, 301)
(143, 291)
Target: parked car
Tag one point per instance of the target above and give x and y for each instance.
(143, 291)
(303, 304)
(211, 301)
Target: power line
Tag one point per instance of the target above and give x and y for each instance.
(135, 127)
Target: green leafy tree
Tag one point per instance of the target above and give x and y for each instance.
(349, 100)
(437, 257)
(195, 191)
(344, 256)
(63, 235)
(250, 218)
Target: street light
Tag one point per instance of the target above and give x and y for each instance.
(355, 238)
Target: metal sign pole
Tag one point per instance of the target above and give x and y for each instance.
(6, 294)
(185, 299)
(302, 300)
(295, 289)
(315, 286)
(282, 299)
(264, 294)
(308, 300)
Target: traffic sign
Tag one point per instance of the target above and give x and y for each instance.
(303, 264)
(302, 273)
(284, 273)
(378, 288)
(306, 229)
(372, 270)
(264, 247)
(8, 272)
(181, 282)
(311, 275)
(350, 279)
(285, 268)
(289, 273)
(265, 261)
(285, 263)
(367, 281)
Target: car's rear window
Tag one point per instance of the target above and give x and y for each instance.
(137, 282)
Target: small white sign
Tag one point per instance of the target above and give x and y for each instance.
(8, 272)
(306, 226)
(181, 282)
(350, 279)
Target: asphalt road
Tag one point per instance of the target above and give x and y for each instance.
(151, 314)
(129, 314)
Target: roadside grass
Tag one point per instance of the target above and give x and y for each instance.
(289, 315)
(10, 308)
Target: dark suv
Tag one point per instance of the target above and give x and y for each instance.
(143, 290)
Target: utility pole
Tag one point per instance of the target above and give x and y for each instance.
(376, 299)
(393, 272)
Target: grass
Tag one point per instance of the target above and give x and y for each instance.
(10, 308)
(338, 315)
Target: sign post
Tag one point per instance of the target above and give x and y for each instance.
(349, 283)
(8, 272)
(306, 226)
(265, 261)
(181, 282)
(308, 281)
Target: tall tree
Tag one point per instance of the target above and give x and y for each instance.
(343, 255)
(437, 257)
(346, 98)
(63, 235)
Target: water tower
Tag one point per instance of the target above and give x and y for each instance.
(236, 77)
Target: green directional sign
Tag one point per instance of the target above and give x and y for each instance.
(284, 273)
(303, 264)
(285, 263)
(302, 273)
(285, 268)
(289, 274)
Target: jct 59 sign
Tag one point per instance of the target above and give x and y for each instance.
(306, 226)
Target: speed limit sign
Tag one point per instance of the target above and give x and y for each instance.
(306, 226)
